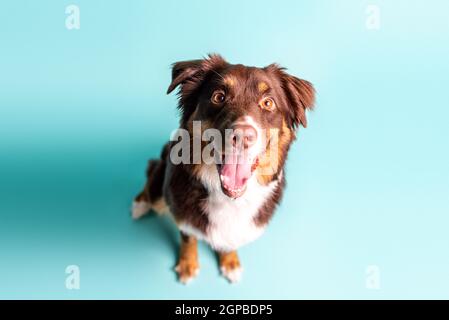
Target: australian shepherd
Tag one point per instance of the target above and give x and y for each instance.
(221, 175)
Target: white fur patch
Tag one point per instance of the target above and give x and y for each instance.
(258, 147)
(139, 209)
(186, 279)
(234, 275)
(231, 221)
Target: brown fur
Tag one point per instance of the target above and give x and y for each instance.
(179, 185)
(188, 265)
(152, 191)
(228, 261)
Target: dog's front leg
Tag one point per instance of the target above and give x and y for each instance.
(230, 266)
(188, 266)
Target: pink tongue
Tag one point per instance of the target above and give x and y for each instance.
(236, 170)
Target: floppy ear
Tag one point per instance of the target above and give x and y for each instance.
(300, 96)
(182, 71)
(192, 72)
(189, 75)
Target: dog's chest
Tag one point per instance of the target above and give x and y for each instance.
(232, 221)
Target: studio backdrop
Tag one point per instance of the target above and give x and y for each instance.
(83, 106)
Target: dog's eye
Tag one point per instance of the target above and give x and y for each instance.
(218, 97)
(267, 104)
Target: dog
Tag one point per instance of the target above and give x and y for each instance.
(255, 114)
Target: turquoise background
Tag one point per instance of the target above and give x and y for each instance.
(82, 111)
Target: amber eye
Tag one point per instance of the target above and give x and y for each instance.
(218, 97)
(267, 104)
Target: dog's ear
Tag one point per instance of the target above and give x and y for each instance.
(192, 72)
(182, 71)
(300, 96)
(190, 75)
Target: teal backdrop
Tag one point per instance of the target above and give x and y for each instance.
(366, 211)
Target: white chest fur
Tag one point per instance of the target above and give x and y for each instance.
(231, 221)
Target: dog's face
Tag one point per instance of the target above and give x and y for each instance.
(256, 110)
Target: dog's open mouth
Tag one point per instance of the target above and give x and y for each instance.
(235, 171)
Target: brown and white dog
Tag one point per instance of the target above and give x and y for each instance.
(228, 202)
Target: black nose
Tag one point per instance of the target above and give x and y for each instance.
(244, 135)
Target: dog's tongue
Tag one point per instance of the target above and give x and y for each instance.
(236, 170)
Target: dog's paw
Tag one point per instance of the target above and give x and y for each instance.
(139, 208)
(230, 266)
(187, 270)
(233, 274)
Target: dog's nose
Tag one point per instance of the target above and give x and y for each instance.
(244, 135)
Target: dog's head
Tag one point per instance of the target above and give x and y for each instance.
(256, 110)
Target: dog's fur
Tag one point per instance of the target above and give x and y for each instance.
(194, 194)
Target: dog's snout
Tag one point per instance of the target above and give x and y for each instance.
(244, 135)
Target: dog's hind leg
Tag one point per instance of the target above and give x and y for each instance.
(151, 197)
(141, 205)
